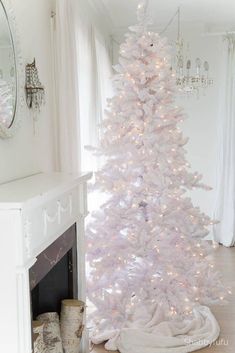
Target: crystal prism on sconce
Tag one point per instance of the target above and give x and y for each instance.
(35, 92)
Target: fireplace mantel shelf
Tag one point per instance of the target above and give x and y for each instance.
(37, 188)
(34, 212)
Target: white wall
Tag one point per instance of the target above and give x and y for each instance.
(201, 125)
(29, 152)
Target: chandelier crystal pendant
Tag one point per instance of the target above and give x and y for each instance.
(190, 78)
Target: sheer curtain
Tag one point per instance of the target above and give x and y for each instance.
(224, 232)
(82, 72)
(104, 73)
(87, 89)
(67, 113)
(94, 73)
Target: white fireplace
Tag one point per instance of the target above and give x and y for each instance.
(34, 213)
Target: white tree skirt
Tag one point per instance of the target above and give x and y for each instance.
(167, 337)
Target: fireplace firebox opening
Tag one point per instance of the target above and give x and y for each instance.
(54, 276)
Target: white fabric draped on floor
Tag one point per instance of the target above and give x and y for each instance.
(185, 336)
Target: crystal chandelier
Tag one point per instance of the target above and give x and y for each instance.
(190, 78)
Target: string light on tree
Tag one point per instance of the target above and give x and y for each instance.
(148, 236)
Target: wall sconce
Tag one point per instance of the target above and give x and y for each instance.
(35, 92)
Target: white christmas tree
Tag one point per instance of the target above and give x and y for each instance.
(147, 258)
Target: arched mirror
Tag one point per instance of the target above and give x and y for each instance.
(8, 75)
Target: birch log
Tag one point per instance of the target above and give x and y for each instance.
(72, 312)
(52, 336)
(38, 340)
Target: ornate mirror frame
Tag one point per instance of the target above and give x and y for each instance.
(4, 131)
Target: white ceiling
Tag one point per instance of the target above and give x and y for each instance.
(210, 13)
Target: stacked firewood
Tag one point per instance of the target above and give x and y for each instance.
(54, 335)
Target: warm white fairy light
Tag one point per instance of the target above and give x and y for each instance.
(144, 244)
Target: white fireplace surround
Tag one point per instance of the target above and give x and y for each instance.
(34, 212)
